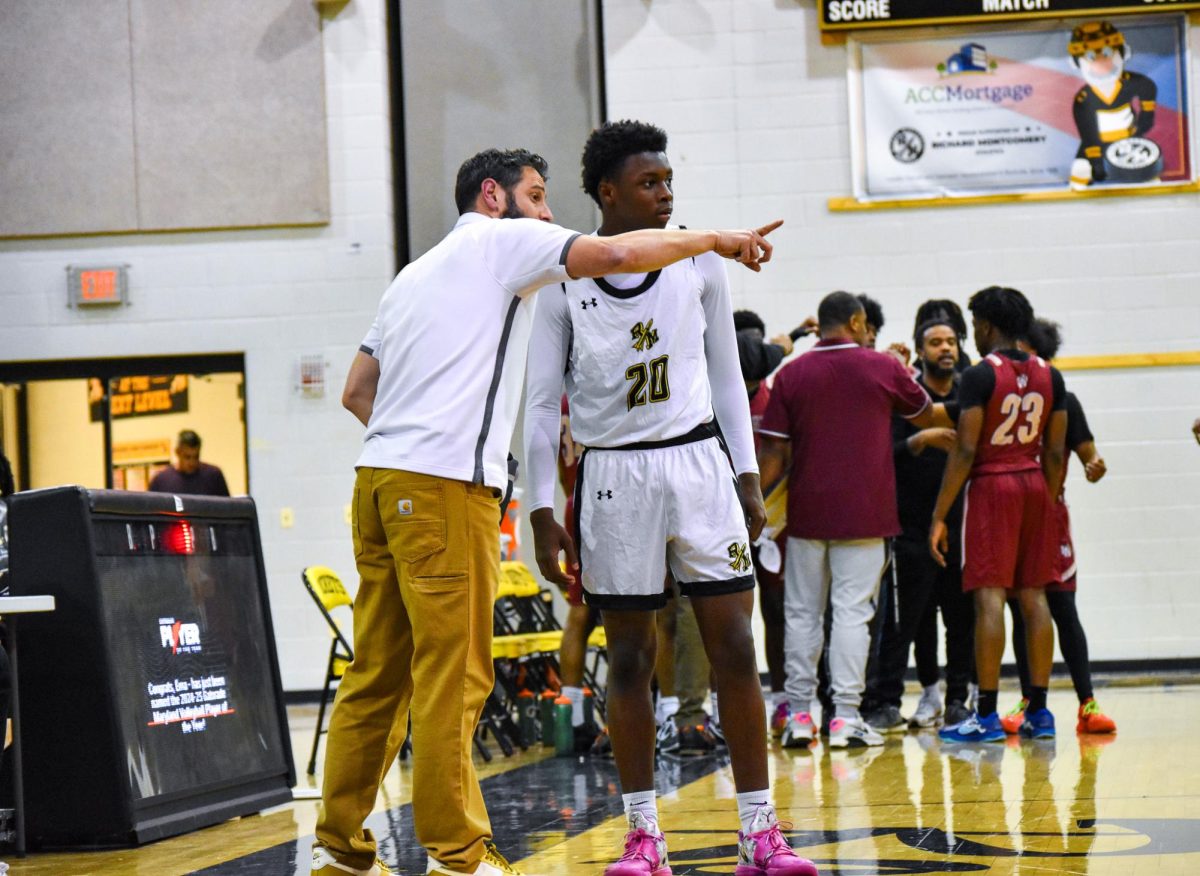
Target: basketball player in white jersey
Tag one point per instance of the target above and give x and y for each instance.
(651, 366)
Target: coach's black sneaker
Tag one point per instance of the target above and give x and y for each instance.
(666, 740)
(885, 719)
(602, 746)
(586, 735)
(696, 740)
(956, 712)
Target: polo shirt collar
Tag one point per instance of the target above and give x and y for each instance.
(824, 345)
(469, 217)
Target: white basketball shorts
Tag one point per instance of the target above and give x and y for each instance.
(642, 509)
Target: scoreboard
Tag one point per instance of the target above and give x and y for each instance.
(151, 701)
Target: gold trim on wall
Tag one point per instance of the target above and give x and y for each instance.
(850, 204)
(1128, 360)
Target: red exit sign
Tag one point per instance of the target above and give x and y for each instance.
(97, 286)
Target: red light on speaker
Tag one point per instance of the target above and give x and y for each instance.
(179, 538)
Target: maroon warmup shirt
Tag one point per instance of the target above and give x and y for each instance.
(835, 404)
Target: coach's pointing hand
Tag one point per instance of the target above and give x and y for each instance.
(748, 247)
(548, 540)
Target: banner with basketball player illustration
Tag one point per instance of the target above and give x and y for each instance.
(1084, 104)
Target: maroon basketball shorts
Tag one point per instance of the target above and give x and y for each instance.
(1064, 553)
(1010, 534)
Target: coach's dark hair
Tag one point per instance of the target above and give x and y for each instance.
(836, 309)
(873, 309)
(610, 144)
(748, 319)
(941, 309)
(1045, 337)
(919, 334)
(188, 438)
(505, 166)
(1008, 310)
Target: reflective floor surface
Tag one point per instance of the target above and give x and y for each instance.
(1126, 805)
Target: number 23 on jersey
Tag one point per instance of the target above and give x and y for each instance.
(1022, 419)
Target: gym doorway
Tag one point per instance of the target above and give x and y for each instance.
(113, 423)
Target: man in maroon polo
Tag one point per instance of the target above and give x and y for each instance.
(829, 417)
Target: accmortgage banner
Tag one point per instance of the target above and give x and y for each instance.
(1082, 105)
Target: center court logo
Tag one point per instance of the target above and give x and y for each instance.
(180, 637)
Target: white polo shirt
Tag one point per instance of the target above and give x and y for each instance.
(451, 337)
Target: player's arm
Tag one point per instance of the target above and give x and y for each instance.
(543, 421)
(729, 400)
(774, 458)
(649, 249)
(958, 468)
(358, 396)
(934, 416)
(1054, 441)
(1094, 466)
(1082, 442)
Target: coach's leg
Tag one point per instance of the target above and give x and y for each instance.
(806, 581)
(724, 623)
(855, 569)
(374, 694)
(631, 651)
(450, 596)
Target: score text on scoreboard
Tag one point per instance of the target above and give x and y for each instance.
(98, 286)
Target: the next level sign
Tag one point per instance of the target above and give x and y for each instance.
(862, 14)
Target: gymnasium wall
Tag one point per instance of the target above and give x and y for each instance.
(756, 108)
(274, 293)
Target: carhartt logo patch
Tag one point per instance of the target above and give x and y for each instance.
(404, 506)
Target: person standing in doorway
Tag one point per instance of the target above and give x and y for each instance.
(189, 475)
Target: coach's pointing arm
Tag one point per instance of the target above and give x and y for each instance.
(636, 252)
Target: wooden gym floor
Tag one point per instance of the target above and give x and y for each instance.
(1126, 805)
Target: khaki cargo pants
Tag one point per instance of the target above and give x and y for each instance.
(428, 557)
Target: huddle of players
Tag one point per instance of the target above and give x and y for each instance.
(1032, 553)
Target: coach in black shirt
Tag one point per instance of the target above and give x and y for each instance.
(921, 585)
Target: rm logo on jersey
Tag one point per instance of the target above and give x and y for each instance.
(739, 556)
(1022, 381)
(644, 336)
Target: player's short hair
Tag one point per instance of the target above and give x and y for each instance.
(609, 145)
(1008, 310)
(1045, 337)
(942, 309)
(505, 166)
(873, 309)
(748, 319)
(836, 309)
(919, 334)
(188, 438)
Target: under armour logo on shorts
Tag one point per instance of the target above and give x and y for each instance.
(603, 494)
(404, 506)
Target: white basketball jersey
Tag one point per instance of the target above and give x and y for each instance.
(637, 370)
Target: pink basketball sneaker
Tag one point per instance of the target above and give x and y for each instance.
(645, 851)
(764, 851)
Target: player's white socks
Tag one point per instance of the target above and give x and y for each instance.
(716, 713)
(667, 707)
(755, 811)
(643, 806)
(575, 695)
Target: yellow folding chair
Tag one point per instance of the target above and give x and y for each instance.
(327, 590)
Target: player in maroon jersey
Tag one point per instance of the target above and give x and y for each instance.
(1011, 438)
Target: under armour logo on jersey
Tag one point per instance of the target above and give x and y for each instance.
(588, 303)
(603, 494)
(644, 336)
(1022, 381)
(739, 554)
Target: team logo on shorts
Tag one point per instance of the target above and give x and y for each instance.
(644, 336)
(739, 556)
